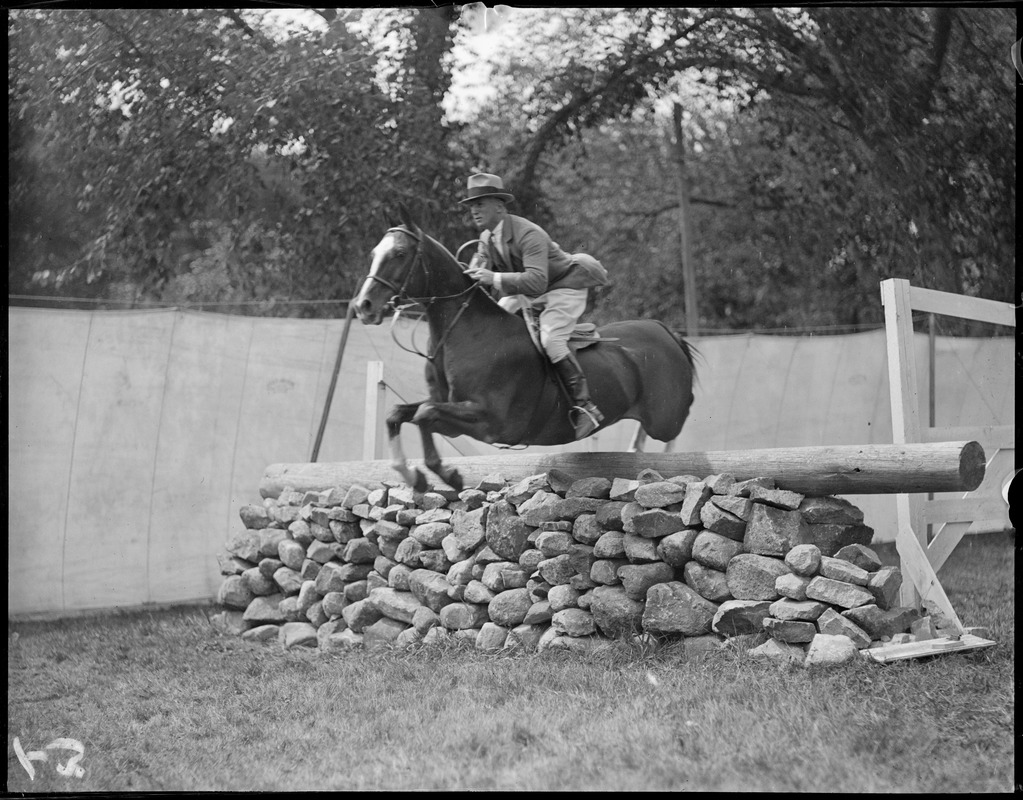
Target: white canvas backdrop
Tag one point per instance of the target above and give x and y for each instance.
(135, 437)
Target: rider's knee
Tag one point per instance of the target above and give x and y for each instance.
(556, 347)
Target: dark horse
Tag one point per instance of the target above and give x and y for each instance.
(489, 381)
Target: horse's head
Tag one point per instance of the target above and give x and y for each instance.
(407, 267)
(395, 260)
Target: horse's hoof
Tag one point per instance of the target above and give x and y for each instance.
(420, 484)
(454, 480)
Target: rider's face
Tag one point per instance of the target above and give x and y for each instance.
(486, 212)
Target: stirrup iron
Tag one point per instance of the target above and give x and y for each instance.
(581, 415)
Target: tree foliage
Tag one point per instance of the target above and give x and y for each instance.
(860, 143)
(192, 155)
(202, 159)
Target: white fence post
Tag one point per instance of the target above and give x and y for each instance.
(373, 430)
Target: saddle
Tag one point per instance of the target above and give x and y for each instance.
(583, 335)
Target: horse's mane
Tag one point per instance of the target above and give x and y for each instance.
(458, 264)
(441, 247)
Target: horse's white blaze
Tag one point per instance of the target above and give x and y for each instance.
(382, 252)
(385, 249)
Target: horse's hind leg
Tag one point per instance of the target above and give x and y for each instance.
(636, 446)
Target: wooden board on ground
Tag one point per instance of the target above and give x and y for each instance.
(928, 647)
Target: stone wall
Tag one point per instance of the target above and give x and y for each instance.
(558, 562)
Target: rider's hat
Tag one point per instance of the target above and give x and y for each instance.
(483, 185)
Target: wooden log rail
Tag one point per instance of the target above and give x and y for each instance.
(817, 471)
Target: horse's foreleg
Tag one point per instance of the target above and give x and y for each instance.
(448, 419)
(399, 415)
(449, 475)
(638, 440)
(669, 446)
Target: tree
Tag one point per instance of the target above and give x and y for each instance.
(193, 156)
(892, 108)
(207, 160)
(922, 92)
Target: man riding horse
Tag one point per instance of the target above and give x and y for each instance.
(484, 377)
(525, 269)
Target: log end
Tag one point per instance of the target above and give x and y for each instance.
(972, 466)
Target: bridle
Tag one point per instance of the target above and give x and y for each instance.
(400, 295)
(417, 260)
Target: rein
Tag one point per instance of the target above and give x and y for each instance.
(400, 295)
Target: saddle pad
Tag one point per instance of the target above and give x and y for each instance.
(585, 331)
(584, 334)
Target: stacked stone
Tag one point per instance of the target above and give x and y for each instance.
(553, 562)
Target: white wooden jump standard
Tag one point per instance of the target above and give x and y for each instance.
(376, 397)
(952, 518)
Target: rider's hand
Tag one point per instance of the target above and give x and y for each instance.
(484, 276)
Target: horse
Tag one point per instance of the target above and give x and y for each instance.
(488, 380)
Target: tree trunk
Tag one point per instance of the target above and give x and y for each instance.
(685, 230)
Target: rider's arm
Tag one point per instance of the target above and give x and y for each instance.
(532, 281)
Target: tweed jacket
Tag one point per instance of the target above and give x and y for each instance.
(538, 264)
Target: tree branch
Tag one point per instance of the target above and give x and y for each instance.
(582, 98)
(656, 212)
(942, 34)
(124, 37)
(236, 18)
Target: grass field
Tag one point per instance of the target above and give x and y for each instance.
(162, 702)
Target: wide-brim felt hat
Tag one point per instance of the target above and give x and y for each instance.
(483, 185)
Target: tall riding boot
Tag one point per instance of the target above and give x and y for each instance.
(585, 416)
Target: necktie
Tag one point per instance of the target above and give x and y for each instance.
(492, 254)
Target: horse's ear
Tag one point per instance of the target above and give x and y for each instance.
(407, 219)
